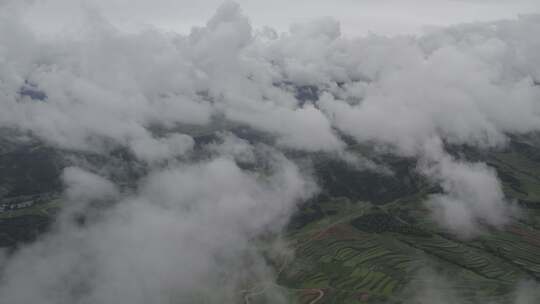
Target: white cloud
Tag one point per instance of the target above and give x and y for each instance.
(189, 224)
(233, 147)
(82, 185)
(472, 195)
(184, 235)
(152, 150)
(115, 85)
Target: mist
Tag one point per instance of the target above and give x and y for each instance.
(187, 229)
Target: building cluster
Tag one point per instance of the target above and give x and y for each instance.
(10, 207)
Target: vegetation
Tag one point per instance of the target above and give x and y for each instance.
(380, 251)
(367, 238)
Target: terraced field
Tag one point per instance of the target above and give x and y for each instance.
(354, 266)
(370, 238)
(384, 252)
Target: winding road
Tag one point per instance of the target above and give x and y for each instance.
(248, 294)
(320, 296)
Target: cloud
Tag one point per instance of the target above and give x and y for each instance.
(187, 229)
(472, 196)
(233, 147)
(471, 84)
(82, 185)
(151, 150)
(185, 234)
(116, 85)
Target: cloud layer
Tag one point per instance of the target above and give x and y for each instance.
(186, 234)
(471, 84)
(190, 222)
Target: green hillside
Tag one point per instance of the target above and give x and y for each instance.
(355, 251)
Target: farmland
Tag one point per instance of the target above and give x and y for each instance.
(366, 237)
(358, 251)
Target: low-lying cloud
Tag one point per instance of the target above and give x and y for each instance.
(190, 222)
(186, 234)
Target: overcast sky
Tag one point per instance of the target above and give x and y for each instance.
(357, 17)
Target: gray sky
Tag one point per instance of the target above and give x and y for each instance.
(357, 17)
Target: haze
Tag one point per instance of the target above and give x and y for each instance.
(357, 17)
